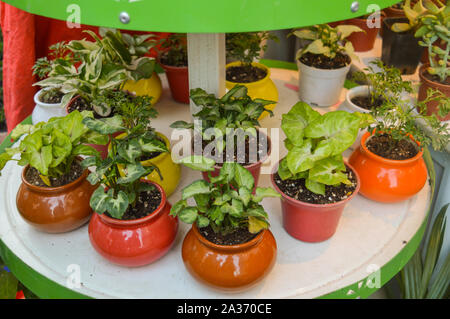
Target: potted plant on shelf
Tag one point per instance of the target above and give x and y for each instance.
(314, 181)
(243, 49)
(229, 245)
(389, 158)
(399, 46)
(324, 63)
(226, 129)
(131, 225)
(173, 59)
(434, 31)
(54, 193)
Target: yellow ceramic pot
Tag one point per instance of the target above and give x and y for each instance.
(151, 87)
(262, 89)
(170, 171)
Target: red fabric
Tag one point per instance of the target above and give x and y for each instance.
(26, 37)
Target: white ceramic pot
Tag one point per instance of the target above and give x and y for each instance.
(351, 107)
(320, 87)
(42, 112)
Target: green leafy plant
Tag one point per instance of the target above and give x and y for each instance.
(246, 47)
(327, 41)
(226, 202)
(412, 12)
(315, 144)
(133, 119)
(51, 147)
(174, 49)
(420, 278)
(235, 110)
(433, 28)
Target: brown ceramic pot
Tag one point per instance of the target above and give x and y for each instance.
(55, 209)
(425, 84)
(230, 268)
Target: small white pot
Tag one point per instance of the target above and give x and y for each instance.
(42, 112)
(320, 87)
(351, 107)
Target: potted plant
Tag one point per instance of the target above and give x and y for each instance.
(173, 59)
(389, 158)
(399, 46)
(54, 192)
(226, 129)
(229, 245)
(242, 49)
(136, 112)
(131, 225)
(434, 30)
(364, 41)
(314, 181)
(324, 63)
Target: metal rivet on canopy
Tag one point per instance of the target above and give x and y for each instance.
(124, 17)
(354, 6)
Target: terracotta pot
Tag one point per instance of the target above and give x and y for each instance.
(137, 242)
(425, 84)
(254, 169)
(388, 181)
(312, 222)
(230, 268)
(55, 209)
(362, 41)
(178, 78)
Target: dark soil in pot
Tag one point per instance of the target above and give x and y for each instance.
(321, 61)
(245, 74)
(54, 98)
(172, 59)
(76, 170)
(436, 78)
(366, 102)
(81, 105)
(296, 189)
(385, 146)
(146, 203)
(238, 236)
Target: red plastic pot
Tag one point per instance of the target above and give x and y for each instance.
(362, 41)
(311, 222)
(178, 78)
(138, 242)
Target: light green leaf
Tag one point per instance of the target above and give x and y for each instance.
(116, 207)
(295, 121)
(198, 163)
(188, 215)
(195, 188)
(315, 187)
(262, 192)
(329, 171)
(243, 177)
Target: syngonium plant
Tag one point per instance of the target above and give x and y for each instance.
(327, 40)
(235, 110)
(315, 144)
(105, 64)
(226, 202)
(51, 147)
(133, 119)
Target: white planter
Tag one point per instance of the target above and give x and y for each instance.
(320, 87)
(351, 107)
(42, 112)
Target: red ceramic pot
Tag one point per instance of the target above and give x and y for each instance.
(362, 41)
(178, 78)
(425, 84)
(138, 242)
(311, 222)
(55, 209)
(254, 169)
(385, 180)
(230, 268)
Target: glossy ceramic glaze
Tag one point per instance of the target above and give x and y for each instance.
(262, 89)
(55, 209)
(138, 242)
(151, 87)
(42, 112)
(425, 84)
(385, 180)
(312, 222)
(178, 78)
(170, 171)
(229, 268)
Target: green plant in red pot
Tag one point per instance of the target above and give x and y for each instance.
(174, 61)
(131, 225)
(54, 193)
(226, 129)
(229, 245)
(314, 181)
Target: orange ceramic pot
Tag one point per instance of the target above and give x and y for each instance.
(388, 181)
(425, 84)
(137, 242)
(55, 209)
(230, 268)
